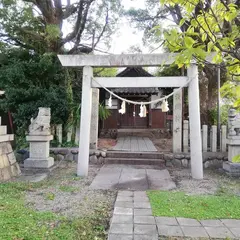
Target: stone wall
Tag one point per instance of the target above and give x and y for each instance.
(8, 165)
(71, 154)
(210, 160)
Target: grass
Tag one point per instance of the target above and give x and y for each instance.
(70, 189)
(18, 221)
(178, 204)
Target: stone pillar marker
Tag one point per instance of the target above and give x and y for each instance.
(214, 139)
(39, 138)
(223, 138)
(59, 133)
(195, 125)
(8, 165)
(185, 135)
(94, 119)
(177, 122)
(204, 138)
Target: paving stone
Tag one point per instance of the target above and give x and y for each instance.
(134, 179)
(190, 231)
(142, 205)
(166, 221)
(120, 237)
(144, 220)
(188, 222)
(145, 237)
(123, 211)
(124, 204)
(145, 229)
(121, 228)
(212, 223)
(143, 212)
(166, 184)
(141, 199)
(125, 193)
(158, 174)
(122, 218)
(232, 223)
(167, 230)
(218, 232)
(140, 194)
(124, 199)
(235, 231)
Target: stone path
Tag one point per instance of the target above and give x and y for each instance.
(134, 144)
(132, 177)
(132, 220)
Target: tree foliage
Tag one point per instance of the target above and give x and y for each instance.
(32, 81)
(48, 25)
(180, 26)
(209, 26)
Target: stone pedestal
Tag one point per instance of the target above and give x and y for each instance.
(231, 167)
(8, 165)
(39, 152)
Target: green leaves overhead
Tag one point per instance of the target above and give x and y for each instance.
(188, 41)
(209, 27)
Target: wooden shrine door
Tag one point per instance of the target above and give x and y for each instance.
(131, 120)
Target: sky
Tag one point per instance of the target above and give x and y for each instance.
(127, 36)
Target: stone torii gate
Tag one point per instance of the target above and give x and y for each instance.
(145, 60)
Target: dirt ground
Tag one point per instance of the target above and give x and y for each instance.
(66, 194)
(162, 144)
(106, 143)
(69, 195)
(214, 182)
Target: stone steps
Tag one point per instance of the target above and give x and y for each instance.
(137, 161)
(135, 155)
(142, 158)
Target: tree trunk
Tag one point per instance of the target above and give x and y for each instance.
(211, 99)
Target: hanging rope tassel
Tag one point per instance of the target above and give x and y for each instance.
(164, 106)
(110, 101)
(143, 111)
(123, 108)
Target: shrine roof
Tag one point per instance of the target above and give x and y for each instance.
(135, 72)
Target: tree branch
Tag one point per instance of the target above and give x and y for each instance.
(16, 40)
(73, 34)
(103, 30)
(59, 12)
(82, 22)
(70, 9)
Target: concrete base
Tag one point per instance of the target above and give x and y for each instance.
(232, 169)
(39, 163)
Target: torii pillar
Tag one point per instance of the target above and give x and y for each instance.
(194, 122)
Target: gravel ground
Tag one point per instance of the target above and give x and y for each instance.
(66, 194)
(69, 195)
(214, 182)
